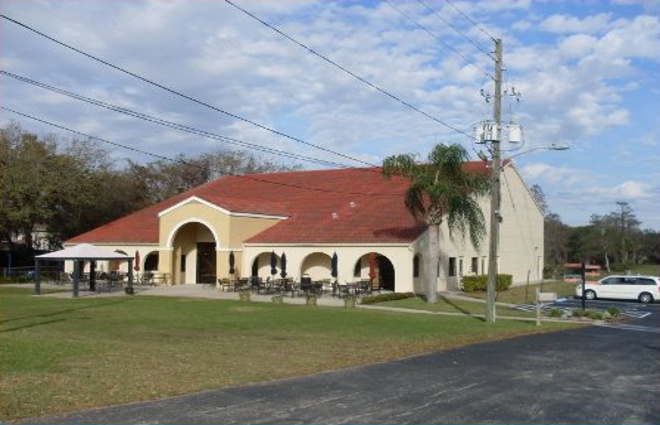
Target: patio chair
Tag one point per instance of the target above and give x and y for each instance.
(288, 286)
(340, 291)
(366, 287)
(243, 284)
(256, 283)
(326, 286)
(306, 284)
(225, 285)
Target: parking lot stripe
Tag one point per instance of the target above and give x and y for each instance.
(625, 327)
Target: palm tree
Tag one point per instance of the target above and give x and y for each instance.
(440, 190)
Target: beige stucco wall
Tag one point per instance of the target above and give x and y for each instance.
(521, 240)
(521, 232)
(193, 221)
(314, 261)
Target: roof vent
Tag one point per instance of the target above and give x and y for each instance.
(335, 216)
(352, 204)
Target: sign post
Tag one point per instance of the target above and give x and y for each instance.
(542, 297)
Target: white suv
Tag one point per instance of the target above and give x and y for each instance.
(646, 289)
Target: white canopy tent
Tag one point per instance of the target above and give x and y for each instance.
(77, 254)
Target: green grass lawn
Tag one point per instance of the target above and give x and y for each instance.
(62, 354)
(451, 305)
(526, 294)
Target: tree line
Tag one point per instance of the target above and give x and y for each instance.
(615, 241)
(71, 186)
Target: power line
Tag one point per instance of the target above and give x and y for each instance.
(455, 28)
(171, 124)
(347, 71)
(479, 27)
(181, 161)
(177, 93)
(444, 43)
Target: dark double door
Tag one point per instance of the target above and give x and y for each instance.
(206, 262)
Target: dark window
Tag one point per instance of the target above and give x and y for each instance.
(645, 281)
(416, 266)
(183, 263)
(612, 281)
(452, 266)
(475, 265)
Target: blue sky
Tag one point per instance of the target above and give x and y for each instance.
(587, 72)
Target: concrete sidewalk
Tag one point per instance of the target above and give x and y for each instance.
(211, 292)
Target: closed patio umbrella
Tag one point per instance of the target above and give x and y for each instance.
(273, 263)
(333, 265)
(136, 266)
(232, 263)
(372, 272)
(283, 265)
(372, 266)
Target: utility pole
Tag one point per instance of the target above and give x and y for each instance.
(495, 215)
(623, 205)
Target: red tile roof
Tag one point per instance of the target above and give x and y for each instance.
(355, 205)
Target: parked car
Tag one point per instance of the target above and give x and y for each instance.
(645, 289)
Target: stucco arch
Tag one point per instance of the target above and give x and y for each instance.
(150, 261)
(260, 264)
(175, 229)
(385, 270)
(317, 265)
(195, 255)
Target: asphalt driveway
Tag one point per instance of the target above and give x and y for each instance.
(598, 374)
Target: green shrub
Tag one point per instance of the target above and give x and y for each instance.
(613, 311)
(590, 314)
(476, 283)
(579, 312)
(555, 312)
(387, 297)
(595, 314)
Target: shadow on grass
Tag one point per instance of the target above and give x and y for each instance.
(31, 325)
(455, 306)
(461, 309)
(55, 313)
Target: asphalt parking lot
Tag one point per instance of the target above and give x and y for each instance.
(596, 374)
(630, 309)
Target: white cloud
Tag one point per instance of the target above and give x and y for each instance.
(632, 190)
(566, 24)
(582, 77)
(577, 46)
(548, 174)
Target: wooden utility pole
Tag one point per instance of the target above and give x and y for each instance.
(495, 215)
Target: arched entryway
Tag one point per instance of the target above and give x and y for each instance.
(386, 273)
(194, 254)
(261, 265)
(383, 270)
(317, 265)
(151, 262)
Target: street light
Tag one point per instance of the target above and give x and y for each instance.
(496, 219)
(552, 147)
